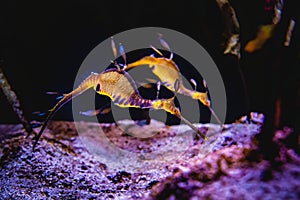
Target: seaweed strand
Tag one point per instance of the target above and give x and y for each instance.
(14, 102)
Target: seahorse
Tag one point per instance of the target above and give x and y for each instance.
(122, 90)
(168, 72)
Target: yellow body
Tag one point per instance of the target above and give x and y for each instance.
(120, 87)
(117, 86)
(167, 71)
(167, 105)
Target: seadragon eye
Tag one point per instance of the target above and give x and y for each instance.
(98, 87)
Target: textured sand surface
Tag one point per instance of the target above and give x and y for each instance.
(126, 161)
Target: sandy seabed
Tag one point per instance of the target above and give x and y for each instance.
(85, 160)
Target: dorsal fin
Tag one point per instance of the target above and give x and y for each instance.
(113, 47)
(156, 50)
(165, 45)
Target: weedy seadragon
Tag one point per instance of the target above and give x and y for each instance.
(168, 73)
(122, 90)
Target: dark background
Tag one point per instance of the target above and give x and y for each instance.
(43, 43)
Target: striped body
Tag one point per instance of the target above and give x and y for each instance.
(122, 90)
(119, 86)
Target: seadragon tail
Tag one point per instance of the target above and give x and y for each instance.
(88, 83)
